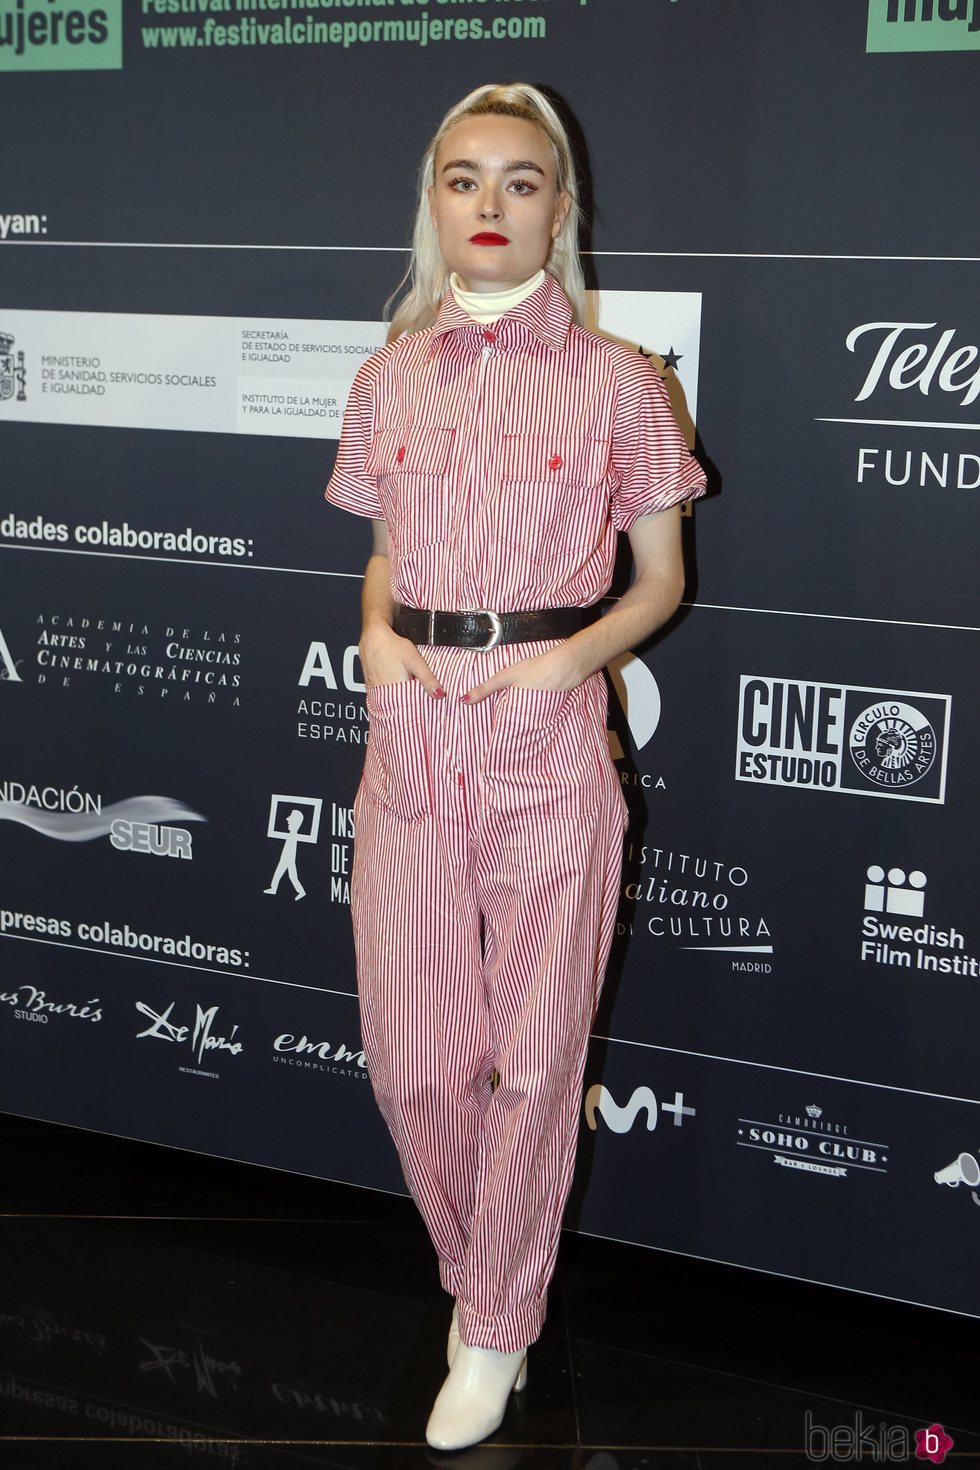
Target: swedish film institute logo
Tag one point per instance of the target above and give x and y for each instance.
(837, 737)
(13, 374)
(897, 932)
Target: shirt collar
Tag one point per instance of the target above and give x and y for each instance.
(547, 313)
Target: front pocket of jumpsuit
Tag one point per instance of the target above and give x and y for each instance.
(409, 463)
(552, 494)
(539, 763)
(397, 775)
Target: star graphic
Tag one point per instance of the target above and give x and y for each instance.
(671, 358)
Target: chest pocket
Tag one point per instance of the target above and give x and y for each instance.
(409, 462)
(552, 495)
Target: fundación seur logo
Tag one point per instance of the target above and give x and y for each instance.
(923, 25)
(840, 737)
(60, 35)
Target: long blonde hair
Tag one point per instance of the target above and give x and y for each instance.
(423, 285)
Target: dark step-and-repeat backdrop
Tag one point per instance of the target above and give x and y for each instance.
(202, 210)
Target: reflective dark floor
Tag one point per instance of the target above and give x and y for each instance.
(159, 1307)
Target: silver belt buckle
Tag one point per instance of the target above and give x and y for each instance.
(496, 627)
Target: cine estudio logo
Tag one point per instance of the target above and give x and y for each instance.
(844, 738)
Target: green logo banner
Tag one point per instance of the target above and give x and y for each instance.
(60, 35)
(923, 25)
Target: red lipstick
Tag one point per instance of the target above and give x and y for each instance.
(489, 238)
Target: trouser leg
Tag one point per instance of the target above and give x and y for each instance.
(548, 873)
(424, 1017)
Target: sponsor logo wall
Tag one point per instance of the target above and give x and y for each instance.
(788, 1022)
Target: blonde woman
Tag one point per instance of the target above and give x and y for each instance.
(498, 447)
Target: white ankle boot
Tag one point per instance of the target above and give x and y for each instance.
(472, 1401)
(453, 1342)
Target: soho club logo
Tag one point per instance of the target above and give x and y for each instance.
(838, 737)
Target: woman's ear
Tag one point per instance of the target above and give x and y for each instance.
(561, 214)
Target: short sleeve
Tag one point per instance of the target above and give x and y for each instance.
(653, 466)
(349, 487)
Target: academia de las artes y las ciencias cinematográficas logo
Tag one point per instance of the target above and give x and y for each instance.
(154, 661)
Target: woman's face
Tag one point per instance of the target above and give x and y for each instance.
(495, 203)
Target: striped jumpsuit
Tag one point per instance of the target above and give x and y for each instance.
(488, 839)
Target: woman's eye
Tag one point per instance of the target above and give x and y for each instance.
(455, 184)
(523, 186)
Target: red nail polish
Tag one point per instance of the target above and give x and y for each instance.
(464, 696)
(440, 694)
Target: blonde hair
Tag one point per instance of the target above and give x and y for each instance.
(423, 285)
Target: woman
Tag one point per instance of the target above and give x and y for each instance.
(498, 447)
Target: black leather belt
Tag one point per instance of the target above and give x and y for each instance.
(482, 628)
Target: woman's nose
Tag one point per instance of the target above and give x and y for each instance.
(490, 206)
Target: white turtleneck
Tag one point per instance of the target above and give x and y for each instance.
(490, 306)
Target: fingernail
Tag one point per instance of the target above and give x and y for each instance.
(440, 694)
(464, 696)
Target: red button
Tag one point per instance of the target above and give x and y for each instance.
(489, 336)
(555, 462)
(401, 453)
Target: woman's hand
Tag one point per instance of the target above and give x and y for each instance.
(387, 658)
(557, 668)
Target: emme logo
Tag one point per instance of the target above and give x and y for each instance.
(60, 35)
(923, 25)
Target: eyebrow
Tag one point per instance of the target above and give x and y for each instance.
(509, 168)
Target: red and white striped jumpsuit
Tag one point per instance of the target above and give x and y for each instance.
(504, 460)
